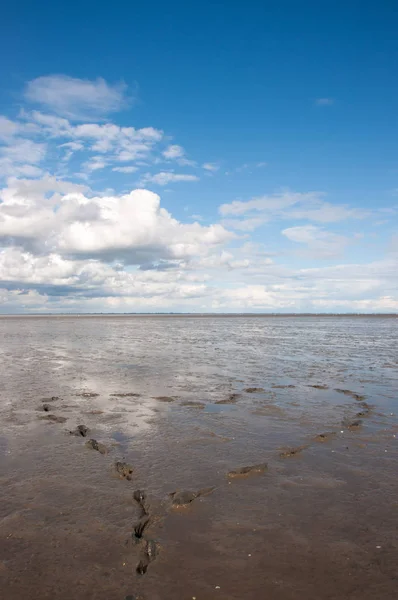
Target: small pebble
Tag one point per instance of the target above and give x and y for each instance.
(378, 547)
(218, 587)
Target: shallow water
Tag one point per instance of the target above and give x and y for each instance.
(212, 394)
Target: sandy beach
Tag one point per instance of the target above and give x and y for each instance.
(160, 458)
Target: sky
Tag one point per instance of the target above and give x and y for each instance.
(199, 157)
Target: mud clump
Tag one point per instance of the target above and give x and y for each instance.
(94, 445)
(148, 554)
(185, 497)
(350, 393)
(164, 398)
(292, 451)
(189, 404)
(55, 418)
(319, 386)
(283, 387)
(87, 395)
(254, 390)
(80, 431)
(354, 425)
(366, 410)
(125, 395)
(325, 437)
(232, 399)
(46, 407)
(124, 470)
(247, 470)
(141, 498)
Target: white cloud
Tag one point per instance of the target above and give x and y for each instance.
(213, 167)
(131, 227)
(129, 169)
(76, 98)
(7, 128)
(173, 152)
(10, 169)
(20, 157)
(94, 164)
(244, 224)
(24, 151)
(67, 247)
(268, 203)
(293, 205)
(321, 243)
(166, 177)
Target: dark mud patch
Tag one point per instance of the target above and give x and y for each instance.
(87, 395)
(140, 527)
(254, 390)
(290, 452)
(93, 412)
(125, 395)
(283, 387)
(185, 497)
(365, 412)
(232, 399)
(46, 407)
(353, 425)
(94, 445)
(55, 418)
(325, 437)
(125, 470)
(319, 386)
(354, 395)
(164, 398)
(80, 431)
(248, 470)
(188, 404)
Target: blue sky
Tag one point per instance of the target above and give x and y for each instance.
(199, 157)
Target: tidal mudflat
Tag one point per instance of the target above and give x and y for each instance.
(168, 458)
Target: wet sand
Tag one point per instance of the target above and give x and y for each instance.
(233, 458)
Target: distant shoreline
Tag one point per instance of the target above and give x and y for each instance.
(195, 315)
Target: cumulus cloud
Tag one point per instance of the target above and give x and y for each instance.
(132, 227)
(66, 246)
(76, 98)
(174, 151)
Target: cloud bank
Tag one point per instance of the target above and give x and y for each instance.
(83, 228)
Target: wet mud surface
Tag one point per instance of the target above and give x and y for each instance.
(283, 485)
